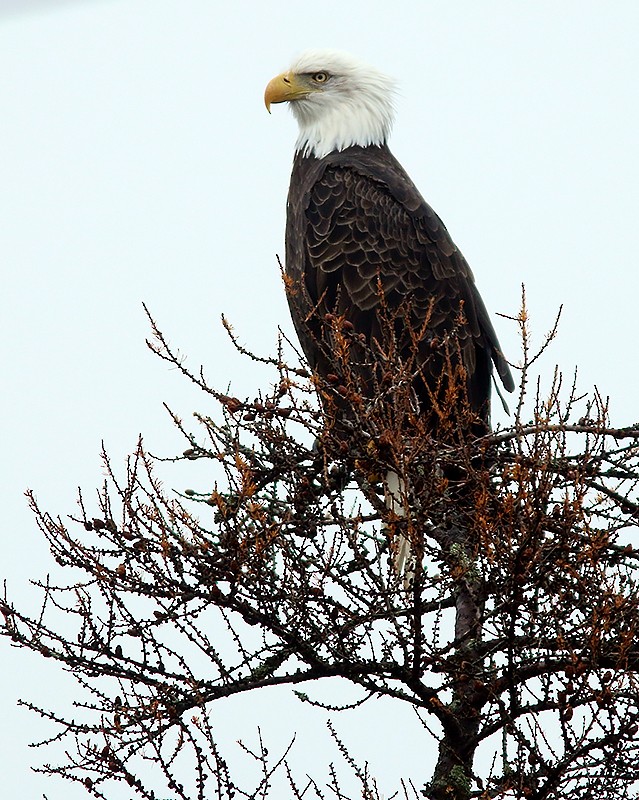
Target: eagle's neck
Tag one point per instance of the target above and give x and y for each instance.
(339, 120)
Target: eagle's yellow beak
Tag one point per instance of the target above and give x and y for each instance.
(282, 88)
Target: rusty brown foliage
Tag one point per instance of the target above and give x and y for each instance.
(516, 641)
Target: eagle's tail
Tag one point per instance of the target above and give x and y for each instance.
(403, 556)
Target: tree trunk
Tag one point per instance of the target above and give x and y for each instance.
(453, 773)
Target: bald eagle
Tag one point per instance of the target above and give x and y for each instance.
(364, 249)
(363, 246)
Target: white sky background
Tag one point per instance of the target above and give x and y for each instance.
(137, 163)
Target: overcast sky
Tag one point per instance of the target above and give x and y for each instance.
(137, 163)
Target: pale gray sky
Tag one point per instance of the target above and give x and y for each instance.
(137, 163)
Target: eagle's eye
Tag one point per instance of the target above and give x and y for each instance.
(320, 77)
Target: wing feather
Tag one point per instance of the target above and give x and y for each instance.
(362, 239)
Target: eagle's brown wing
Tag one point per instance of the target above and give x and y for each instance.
(371, 249)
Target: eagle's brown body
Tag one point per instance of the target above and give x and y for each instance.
(363, 245)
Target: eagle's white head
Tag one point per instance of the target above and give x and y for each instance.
(337, 100)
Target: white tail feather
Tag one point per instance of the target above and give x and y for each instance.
(403, 557)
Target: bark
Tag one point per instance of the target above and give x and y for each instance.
(452, 777)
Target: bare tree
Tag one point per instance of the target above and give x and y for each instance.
(515, 638)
